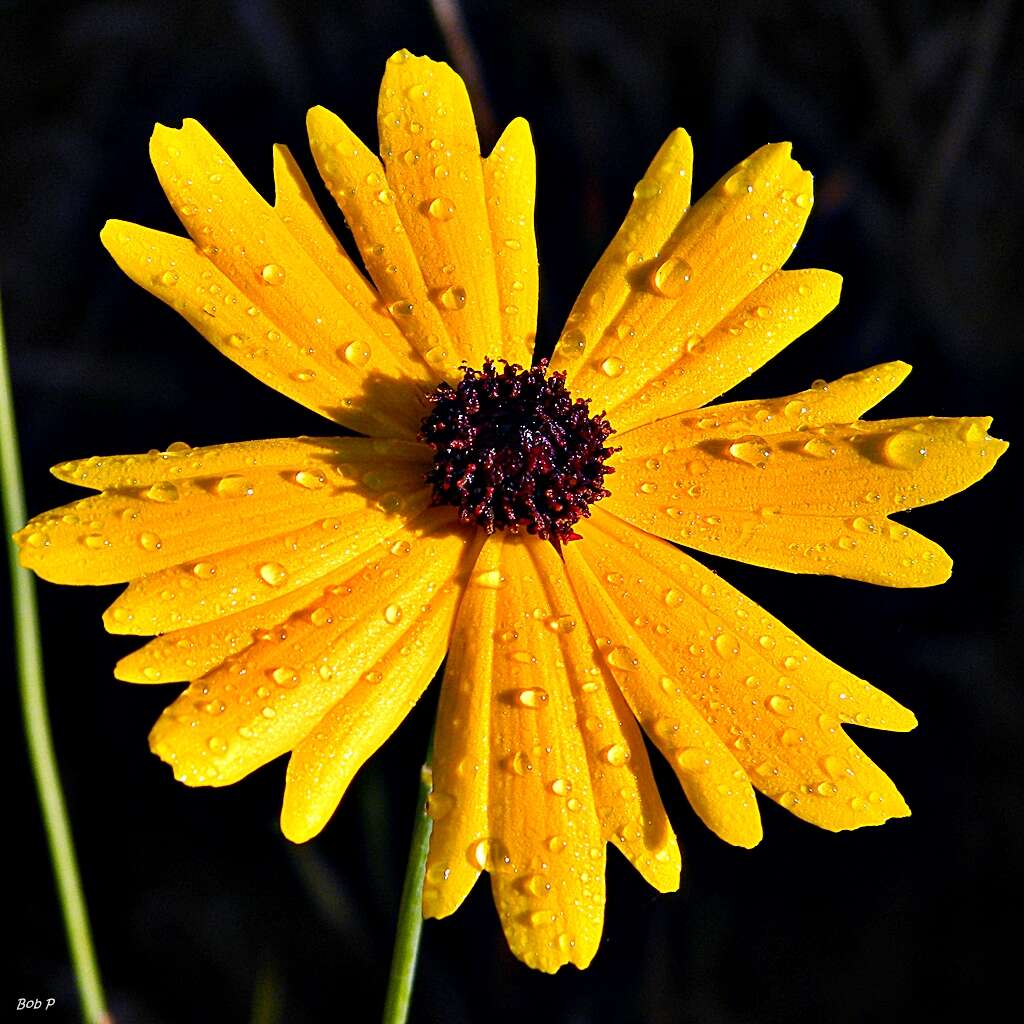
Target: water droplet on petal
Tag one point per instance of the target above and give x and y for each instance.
(623, 658)
(532, 697)
(233, 486)
(904, 449)
(572, 343)
(441, 208)
(453, 297)
(273, 273)
(357, 353)
(490, 579)
(692, 760)
(670, 277)
(273, 573)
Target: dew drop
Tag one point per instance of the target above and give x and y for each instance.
(321, 616)
(439, 804)
(572, 343)
(403, 307)
(163, 492)
(612, 366)
(904, 450)
(441, 208)
(692, 760)
(273, 273)
(147, 541)
(285, 677)
(623, 658)
(750, 449)
(616, 755)
(562, 624)
(273, 573)
(233, 486)
(646, 188)
(727, 645)
(453, 297)
(393, 614)
(670, 277)
(818, 448)
(781, 705)
(532, 697)
(491, 579)
(357, 353)
(309, 479)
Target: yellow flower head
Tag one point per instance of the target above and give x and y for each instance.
(516, 516)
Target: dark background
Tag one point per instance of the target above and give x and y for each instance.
(910, 115)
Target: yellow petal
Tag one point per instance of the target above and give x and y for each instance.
(438, 191)
(461, 766)
(630, 813)
(811, 500)
(166, 508)
(719, 252)
(223, 582)
(629, 808)
(785, 306)
(823, 403)
(774, 701)
(322, 765)
(714, 782)
(510, 182)
(544, 847)
(660, 200)
(367, 394)
(186, 654)
(266, 700)
(356, 180)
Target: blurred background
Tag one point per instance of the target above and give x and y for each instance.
(910, 116)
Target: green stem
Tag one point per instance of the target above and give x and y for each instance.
(36, 718)
(410, 912)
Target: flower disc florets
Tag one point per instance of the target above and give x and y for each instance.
(512, 450)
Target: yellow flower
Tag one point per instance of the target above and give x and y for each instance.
(309, 589)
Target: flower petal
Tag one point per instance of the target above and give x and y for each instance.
(510, 182)
(373, 614)
(660, 200)
(356, 180)
(372, 398)
(322, 765)
(719, 252)
(439, 192)
(186, 654)
(771, 698)
(254, 573)
(544, 847)
(461, 767)
(785, 306)
(811, 500)
(823, 403)
(555, 631)
(712, 778)
(166, 508)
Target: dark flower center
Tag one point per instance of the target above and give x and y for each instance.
(513, 450)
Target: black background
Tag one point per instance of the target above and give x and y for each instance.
(910, 116)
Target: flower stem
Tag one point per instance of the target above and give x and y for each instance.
(36, 718)
(410, 911)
